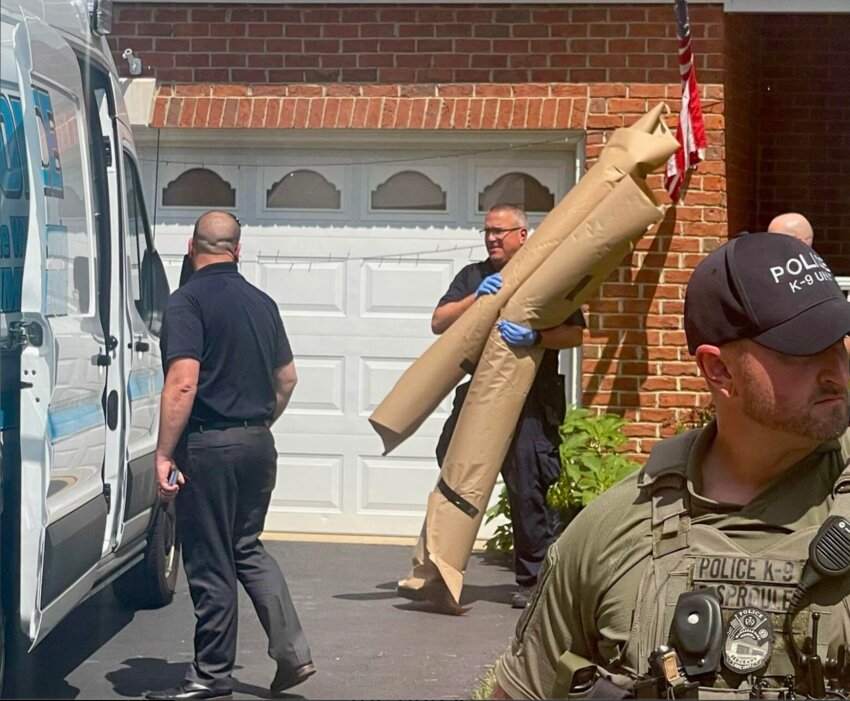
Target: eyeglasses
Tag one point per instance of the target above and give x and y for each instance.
(498, 232)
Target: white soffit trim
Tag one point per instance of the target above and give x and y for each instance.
(794, 6)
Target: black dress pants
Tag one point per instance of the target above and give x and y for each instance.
(221, 510)
(531, 466)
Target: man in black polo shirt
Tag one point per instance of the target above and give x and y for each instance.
(532, 464)
(229, 376)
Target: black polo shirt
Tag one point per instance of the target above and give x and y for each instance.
(467, 281)
(235, 331)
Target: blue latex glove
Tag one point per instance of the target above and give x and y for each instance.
(517, 336)
(490, 285)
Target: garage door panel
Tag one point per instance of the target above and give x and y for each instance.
(378, 376)
(309, 480)
(321, 386)
(394, 485)
(305, 287)
(403, 289)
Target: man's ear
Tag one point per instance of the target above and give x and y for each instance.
(523, 235)
(190, 246)
(713, 367)
(237, 252)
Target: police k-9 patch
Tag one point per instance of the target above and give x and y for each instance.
(749, 640)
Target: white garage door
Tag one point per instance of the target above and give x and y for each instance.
(356, 244)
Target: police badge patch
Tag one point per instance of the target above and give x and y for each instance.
(749, 641)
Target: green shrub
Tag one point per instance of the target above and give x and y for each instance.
(696, 417)
(591, 461)
(503, 537)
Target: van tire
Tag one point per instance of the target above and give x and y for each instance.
(151, 583)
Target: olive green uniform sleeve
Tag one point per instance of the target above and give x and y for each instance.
(582, 576)
(845, 445)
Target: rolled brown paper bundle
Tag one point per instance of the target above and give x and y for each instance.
(502, 379)
(631, 151)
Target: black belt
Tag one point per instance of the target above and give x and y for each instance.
(220, 425)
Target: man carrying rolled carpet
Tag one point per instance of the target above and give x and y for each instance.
(532, 463)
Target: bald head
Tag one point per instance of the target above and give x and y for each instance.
(793, 224)
(216, 233)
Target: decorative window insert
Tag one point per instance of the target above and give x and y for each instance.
(409, 190)
(303, 189)
(199, 187)
(519, 189)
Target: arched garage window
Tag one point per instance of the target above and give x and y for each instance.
(303, 189)
(517, 188)
(409, 190)
(199, 187)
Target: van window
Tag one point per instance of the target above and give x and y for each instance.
(14, 181)
(138, 240)
(65, 178)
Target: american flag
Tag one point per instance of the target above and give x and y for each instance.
(691, 130)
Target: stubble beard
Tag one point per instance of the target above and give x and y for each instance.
(798, 420)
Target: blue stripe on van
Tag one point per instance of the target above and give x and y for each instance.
(138, 385)
(74, 419)
(144, 383)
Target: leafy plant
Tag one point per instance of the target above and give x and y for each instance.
(696, 417)
(503, 537)
(592, 460)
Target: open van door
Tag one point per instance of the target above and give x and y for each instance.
(66, 353)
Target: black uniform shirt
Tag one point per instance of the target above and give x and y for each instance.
(235, 331)
(465, 284)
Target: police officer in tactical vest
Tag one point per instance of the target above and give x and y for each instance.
(719, 570)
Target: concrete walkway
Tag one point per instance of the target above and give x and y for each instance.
(366, 642)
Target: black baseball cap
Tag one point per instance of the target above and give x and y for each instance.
(770, 288)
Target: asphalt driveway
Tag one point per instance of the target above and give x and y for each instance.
(366, 642)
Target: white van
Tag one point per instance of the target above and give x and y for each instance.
(82, 292)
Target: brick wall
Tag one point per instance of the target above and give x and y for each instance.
(636, 361)
(803, 126)
(498, 67)
(742, 97)
(413, 43)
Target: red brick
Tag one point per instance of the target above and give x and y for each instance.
(380, 90)
(603, 121)
(257, 119)
(160, 109)
(286, 116)
(202, 111)
(306, 91)
(345, 110)
(272, 117)
(476, 111)
(230, 112)
(229, 90)
(216, 112)
(432, 113)
(417, 113)
(402, 117)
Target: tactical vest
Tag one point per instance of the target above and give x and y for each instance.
(688, 556)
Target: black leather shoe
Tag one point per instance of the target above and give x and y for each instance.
(287, 678)
(521, 597)
(188, 690)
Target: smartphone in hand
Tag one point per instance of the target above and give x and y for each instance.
(172, 476)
